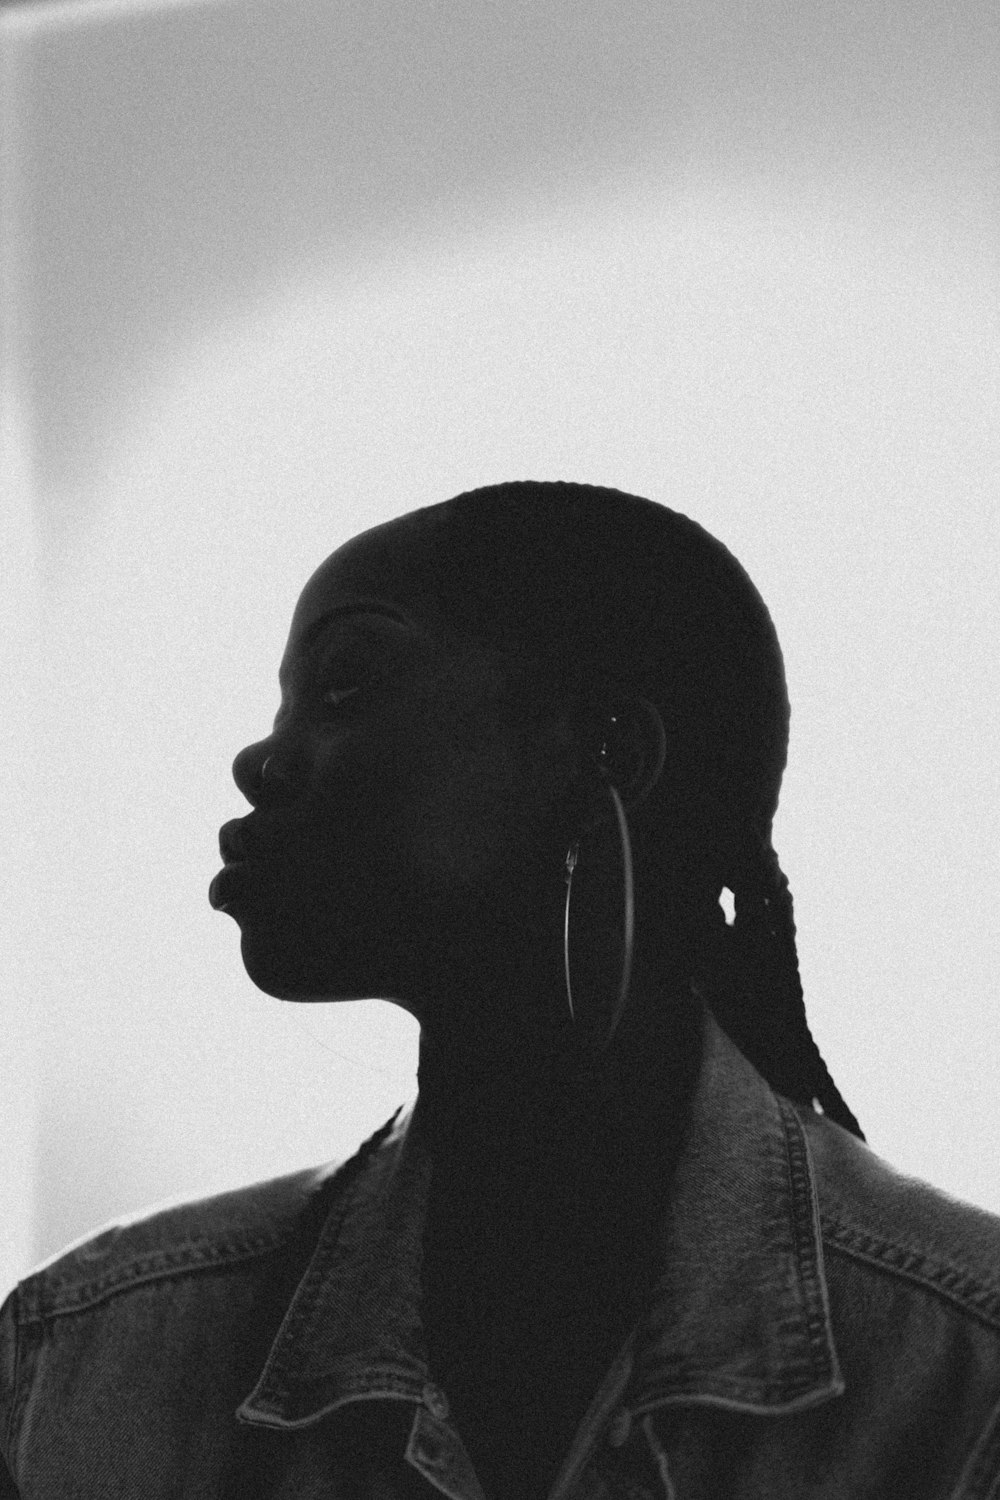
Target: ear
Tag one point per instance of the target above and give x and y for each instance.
(629, 747)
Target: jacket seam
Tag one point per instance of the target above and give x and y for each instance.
(194, 1257)
(871, 1252)
(808, 1241)
(327, 1251)
(164, 1266)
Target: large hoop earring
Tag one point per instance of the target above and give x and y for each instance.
(628, 917)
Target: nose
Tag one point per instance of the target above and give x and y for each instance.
(248, 769)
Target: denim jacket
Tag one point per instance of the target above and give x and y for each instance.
(821, 1327)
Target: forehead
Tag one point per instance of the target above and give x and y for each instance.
(380, 571)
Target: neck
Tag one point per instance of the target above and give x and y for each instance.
(548, 1190)
(530, 1107)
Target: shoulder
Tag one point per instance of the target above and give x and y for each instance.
(184, 1238)
(901, 1228)
(171, 1309)
(171, 1239)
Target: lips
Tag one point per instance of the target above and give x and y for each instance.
(231, 845)
(228, 884)
(231, 879)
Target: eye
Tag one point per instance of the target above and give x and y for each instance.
(336, 696)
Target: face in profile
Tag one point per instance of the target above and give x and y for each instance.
(396, 831)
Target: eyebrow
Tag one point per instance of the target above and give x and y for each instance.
(313, 631)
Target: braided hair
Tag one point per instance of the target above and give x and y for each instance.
(604, 588)
(761, 1004)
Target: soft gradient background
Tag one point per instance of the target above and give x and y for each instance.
(274, 273)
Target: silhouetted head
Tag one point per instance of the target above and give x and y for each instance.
(499, 658)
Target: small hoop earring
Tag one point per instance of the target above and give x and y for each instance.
(628, 902)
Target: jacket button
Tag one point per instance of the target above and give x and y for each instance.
(436, 1401)
(619, 1427)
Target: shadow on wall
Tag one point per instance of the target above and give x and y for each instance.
(178, 161)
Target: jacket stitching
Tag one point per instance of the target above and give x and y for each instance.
(948, 1282)
(165, 1264)
(65, 1299)
(807, 1254)
(322, 1264)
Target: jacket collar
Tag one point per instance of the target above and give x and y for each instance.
(740, 1316)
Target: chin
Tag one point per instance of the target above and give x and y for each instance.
(283, 974)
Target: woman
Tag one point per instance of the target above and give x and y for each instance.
(628, 1241)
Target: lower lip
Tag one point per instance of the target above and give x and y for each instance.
(227, 884)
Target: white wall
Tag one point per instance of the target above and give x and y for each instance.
(282, 273)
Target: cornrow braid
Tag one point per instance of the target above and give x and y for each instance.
(765, 1010)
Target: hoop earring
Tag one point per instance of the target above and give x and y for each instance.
(628, 917)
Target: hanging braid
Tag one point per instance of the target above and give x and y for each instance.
(761, 1004)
